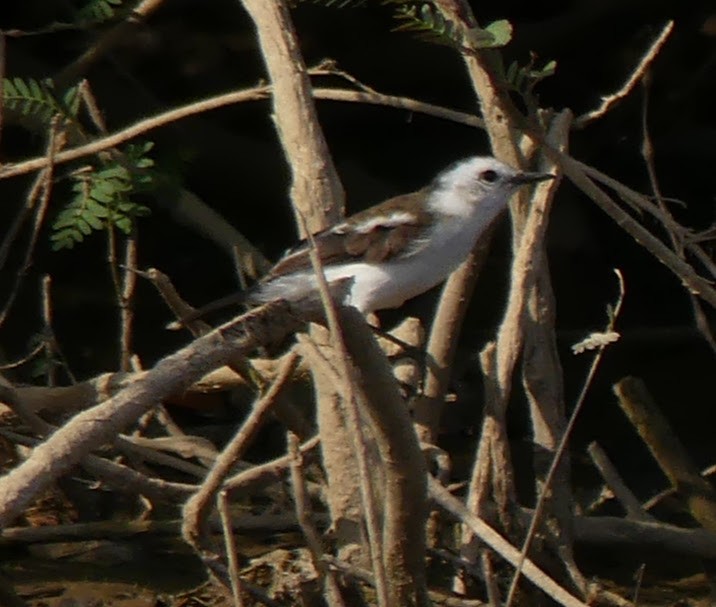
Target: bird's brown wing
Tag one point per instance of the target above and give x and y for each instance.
(399, 230)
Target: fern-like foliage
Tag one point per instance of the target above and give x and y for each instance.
(33, 99)
(103, 197)
(97, 11)
(428, 21)
(523, 78)
(425, 19)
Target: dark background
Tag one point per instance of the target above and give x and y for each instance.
(231, 158)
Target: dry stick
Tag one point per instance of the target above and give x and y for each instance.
(144, 453)
(495, 541)
(499, 359)
(404, 103)
(195, 509)
(668, 451)
(123, 288)
(615, 482)
(316, 191)
(610, 101)
(174, 373)
(318, 198)
(403, 464)
(400, 550)
(2, 85)
(561, 447)
(121, 477)
(50, 342)
(495, 109)
(303, 514)
(117, 530)
(53, 350)
(41, 190)
(637, 586)
(355, 426)
(24, 360)
(240, 365)
(442, 342)
(268, 472)
(256, 93)
(126, 301)
(576, 171)
(656, 499)
(542, 376)
(30, 201)
(675, 238)
(222, 504)
(498, 112)
(642, 203)
(493, 592)
(242, 368)
(689, 278)
(614, 531)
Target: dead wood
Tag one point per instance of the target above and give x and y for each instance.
(100, 424)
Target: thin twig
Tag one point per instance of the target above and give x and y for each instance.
(642, 203)
(500, 545)
(222, 505)
(194, 510)
(638, 579)
(574, 170)
(615, 482)
(360, 447)
(126, 301)
(488, 573)
(267, 472)
(610, 101)
(303, 514)
(25, 359)
(675, 237)
(40, 191)
(49, 339)
(53, 352)
(561, 447)
(256, 93)
(2, 84)
(112, 263)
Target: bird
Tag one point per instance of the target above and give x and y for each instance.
(397, 249)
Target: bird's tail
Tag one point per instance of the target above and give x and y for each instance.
(233, 299)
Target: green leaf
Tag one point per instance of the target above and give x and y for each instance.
(66, 239)
(102, 192)
(501, 32)
(21, 88)
(83, 226)
(96, 209)
(66, 218)
(93, 221)
(116, 171)
(549, 69)
(124, 224)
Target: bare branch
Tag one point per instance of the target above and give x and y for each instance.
(610, 101)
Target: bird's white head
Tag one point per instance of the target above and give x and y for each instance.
(478, 181)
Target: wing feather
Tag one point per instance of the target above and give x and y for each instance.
(397, 231)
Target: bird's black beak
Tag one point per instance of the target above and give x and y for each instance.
(527, 177)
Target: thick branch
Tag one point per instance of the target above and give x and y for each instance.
(100, 424)
(316, 191)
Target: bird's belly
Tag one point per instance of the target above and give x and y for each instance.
(377, 287)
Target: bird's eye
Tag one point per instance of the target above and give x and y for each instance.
(489, 176)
